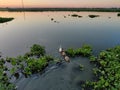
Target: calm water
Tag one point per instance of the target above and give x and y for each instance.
(36, 27)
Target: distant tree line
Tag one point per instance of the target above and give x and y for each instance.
(63, 9)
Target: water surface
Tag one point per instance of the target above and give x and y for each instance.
(17, 36)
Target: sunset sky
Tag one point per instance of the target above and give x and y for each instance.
(60, 3)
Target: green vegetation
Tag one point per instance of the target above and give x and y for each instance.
(36, 65)
(93, 58)
(27, 64)
(85, 50)
(118, 14)
(4, 80)
(93, 16)
(3, 20)
(36, 50)
(107, 71)
(81, 67)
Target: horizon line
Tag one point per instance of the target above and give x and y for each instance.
(60, 7)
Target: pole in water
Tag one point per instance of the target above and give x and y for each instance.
(22, 4)
(23, 8)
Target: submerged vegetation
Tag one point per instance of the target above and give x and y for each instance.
(3, 20)
(81, 67)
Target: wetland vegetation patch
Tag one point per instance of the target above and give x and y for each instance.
(118, 14)
(3, 20)
(107, 70)
(32, 62)
(93, 16)
(85, 50)
(75, 15)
